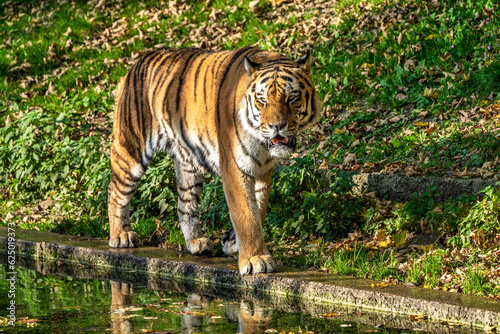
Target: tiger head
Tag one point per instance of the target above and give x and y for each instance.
(281, 101)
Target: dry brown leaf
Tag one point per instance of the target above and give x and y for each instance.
(349, 160)
(418, 317)
(355, 236)
(430, 130)
(324, 165)
(396, 118)
(51, 89)
(456, 253)
(379, 236)
(68, 32)
(478, 238)
(425, 226)
(321, 145)
(401, 97)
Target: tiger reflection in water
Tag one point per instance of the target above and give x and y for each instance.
(249, 317)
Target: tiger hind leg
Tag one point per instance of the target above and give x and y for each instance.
(126, 172)
(189, 186)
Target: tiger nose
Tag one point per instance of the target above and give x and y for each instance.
(277, 126)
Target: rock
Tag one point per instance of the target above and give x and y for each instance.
(400, 188)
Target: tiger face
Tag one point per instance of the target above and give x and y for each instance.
(281, 102)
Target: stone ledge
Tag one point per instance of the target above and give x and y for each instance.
(400, 188)
(308, 287)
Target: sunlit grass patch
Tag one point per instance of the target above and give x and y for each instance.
(476, 282)
(427, 270)
(361, 262)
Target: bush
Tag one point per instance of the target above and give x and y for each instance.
(305, 202)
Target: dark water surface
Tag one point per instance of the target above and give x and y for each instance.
(64, 304)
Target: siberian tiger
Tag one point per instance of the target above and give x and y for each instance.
(230, 113)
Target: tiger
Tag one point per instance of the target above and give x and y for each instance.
(227, 113)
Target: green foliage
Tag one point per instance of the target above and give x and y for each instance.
(427, 270)
(156, 194)
(486, 213)
(304, 202)
(40, 152)
(409, 215)
(483, 216)
(476, 282)
(213, 206)
(456, 217)
(485, 80)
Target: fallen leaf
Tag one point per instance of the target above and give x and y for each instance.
(431, 92)
(465, 78)
(478, 238)
(425, 226)
(427, 248)
(382, 285)
(355, 236)
(430, 130)
(399, 238)
(330, 315)
(68, 32)
(51, 89)
(416, 317)
(254, 6)
(321, 144)
(383, 244)
(401, 97)
(379, 236)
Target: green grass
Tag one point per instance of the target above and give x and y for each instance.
(362, 263)
(427, 270)
(476, 282)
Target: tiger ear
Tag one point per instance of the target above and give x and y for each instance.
(250, 66)
(305, 62)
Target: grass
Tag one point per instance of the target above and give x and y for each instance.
(361, 263)
(409, 87)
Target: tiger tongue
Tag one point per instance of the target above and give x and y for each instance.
(279, 139)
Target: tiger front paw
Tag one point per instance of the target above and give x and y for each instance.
(257, 264)
(128, 239)
(199, 246)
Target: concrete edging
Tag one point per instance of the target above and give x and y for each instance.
(307, 286)
(400, 188)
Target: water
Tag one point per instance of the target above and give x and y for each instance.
(64, 304)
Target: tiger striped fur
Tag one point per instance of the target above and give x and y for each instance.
(230, 113)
